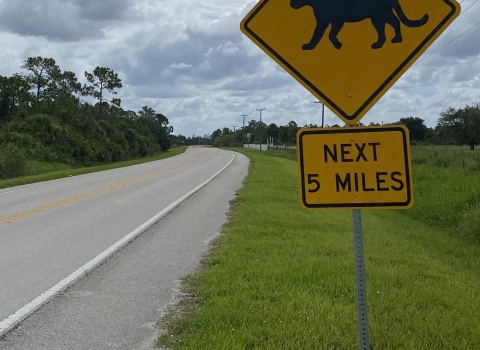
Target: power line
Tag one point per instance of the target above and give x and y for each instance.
(467, 8)
(451, 41)
(292, 112)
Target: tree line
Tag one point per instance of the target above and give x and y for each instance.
(454, 127)
(44, 117)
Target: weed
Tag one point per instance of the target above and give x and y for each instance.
(12, 161)
(420, 161)
(451, 157)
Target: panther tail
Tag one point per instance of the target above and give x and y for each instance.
(408, 22)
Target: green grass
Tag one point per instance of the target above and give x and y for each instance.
(446, 186)
(36, 167)
(448, 199)
(42, 171)
(449, 157)
(283, 278)
(446, 183)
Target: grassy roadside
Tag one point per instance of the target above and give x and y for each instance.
(451, 157)
(283, 278)
(449, 199)
(47, 172)
(446, 182)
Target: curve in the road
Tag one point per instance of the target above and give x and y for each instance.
(17, 216)
(13, 320)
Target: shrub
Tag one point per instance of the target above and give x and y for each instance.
(13, 162)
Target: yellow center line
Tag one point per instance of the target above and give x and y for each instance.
(24, 214)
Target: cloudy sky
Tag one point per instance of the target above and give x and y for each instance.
(188, 60)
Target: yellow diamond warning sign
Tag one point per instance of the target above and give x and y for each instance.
(347, 53)
(355, 168)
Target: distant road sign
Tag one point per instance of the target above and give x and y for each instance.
(347, 53)
(355, 168)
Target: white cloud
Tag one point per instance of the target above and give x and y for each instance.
(188, 60)
(180, 65)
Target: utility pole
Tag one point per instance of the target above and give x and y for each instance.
(323, 111)
(260, 110)
(234, 135)
(244, 117)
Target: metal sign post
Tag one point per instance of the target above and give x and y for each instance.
(361, 281)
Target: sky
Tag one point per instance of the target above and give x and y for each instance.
(188, 60)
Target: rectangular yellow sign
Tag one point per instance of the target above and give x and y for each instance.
(355, 168)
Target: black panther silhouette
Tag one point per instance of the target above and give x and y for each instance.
(339, 12)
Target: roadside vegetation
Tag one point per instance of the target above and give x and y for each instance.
(454, 127)
(447, 157)
(42, 171)
(283, 278)
(48, 117)
(446, 183)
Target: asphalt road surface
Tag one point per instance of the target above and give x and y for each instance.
(51, 229)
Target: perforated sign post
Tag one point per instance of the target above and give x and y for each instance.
(348, 53)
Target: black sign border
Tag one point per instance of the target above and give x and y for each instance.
(378, 91)
(351, 131)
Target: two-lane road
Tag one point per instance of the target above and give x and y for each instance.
(49, 230)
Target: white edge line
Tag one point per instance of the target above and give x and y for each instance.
(13, 320)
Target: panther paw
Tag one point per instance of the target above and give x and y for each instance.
(397, 40)
(338, 45)
(308, 46)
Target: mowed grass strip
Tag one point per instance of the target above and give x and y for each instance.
(43, 171)
(283, 278)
